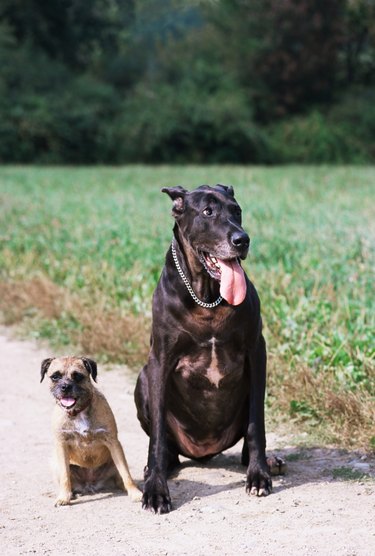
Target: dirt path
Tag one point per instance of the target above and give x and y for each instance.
(309, 512)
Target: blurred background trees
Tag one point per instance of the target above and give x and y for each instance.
(115, 81)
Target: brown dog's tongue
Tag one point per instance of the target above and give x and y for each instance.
(232, 283)
(67, 402)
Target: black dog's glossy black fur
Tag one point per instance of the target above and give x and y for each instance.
(203, 386)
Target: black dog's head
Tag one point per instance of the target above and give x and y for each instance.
(70, 382)
(209, 218)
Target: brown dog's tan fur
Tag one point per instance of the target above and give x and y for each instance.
(88, 455)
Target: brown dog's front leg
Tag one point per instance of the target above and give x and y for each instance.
(63, 475)
(119, 459)
(156, 496)
(258, 479)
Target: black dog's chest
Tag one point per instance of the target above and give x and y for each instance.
(209, 364)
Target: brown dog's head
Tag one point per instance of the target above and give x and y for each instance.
(70, 381)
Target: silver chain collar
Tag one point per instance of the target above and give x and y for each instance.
(188, 286)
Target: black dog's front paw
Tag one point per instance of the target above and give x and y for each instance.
(156, 495)
(258, 480)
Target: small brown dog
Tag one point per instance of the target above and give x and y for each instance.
(88, 454)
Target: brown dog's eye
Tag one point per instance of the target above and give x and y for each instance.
(207, 211)
(78, 377)
(55, 377)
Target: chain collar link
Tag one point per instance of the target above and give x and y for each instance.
(188, 286)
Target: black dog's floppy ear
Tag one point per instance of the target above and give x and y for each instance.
(228, 188)
(90, 366)
(45, 366)
(177, 194)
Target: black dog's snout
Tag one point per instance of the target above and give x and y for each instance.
(240, 240)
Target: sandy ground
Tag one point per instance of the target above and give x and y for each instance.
(309, 511)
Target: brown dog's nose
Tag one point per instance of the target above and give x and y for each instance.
(65, 387)
(240, 240)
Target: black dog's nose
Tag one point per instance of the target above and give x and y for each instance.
(240, 240)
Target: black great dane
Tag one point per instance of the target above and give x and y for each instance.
(203, 387)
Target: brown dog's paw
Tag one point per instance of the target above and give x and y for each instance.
(258, 481)
(135, 494)
(63, 500)
(276, 465)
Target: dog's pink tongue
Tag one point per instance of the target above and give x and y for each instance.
(67, 402)
(232, 283)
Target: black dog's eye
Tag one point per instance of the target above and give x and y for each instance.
(55, 377)
(208, 211)
(78, 377)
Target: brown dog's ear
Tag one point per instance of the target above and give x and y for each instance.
(45, 366)
(228, 188)
(177, 194)
(91, 367)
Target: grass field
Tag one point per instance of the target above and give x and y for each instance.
(81, 250)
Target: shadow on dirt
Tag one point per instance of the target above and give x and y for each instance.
(225, 473)
(304, 466)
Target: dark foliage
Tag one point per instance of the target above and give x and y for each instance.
(114, 81)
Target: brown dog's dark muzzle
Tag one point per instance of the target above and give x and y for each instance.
(69, 389)
(66, 387)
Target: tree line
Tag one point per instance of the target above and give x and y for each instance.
(248, 81)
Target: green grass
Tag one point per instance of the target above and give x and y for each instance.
(348, 474)
(99, 237)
